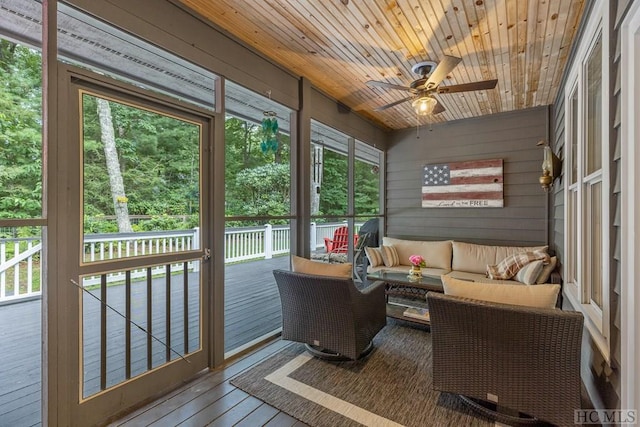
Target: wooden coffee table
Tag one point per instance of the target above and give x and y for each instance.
(398, 285)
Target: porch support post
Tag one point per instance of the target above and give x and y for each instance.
(302, 238)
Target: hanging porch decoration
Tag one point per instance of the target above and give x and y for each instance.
(269, 141)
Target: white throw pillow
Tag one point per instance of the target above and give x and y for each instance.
(541, 296)
(306, 266)
(530, 272)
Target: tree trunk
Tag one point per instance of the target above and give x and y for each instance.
(246, 153)
(113, 167)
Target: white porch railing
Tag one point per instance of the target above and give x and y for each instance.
(24, 262)
(246, 243)
(107, 246)
(20, 257)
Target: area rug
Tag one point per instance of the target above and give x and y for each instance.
(391, 387)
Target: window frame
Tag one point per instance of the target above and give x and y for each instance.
(578, 291)
(351, 151)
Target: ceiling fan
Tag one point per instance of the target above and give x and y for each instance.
(431, 75)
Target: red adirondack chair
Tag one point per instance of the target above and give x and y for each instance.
(340, 242)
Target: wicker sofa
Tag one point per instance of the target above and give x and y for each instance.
(460, 260)
(525, 360)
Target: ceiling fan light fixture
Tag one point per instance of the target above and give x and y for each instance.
(424, 105)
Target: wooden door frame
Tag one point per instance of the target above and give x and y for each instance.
(61, 315)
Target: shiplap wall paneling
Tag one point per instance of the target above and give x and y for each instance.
(510, 136)
(618, 12)
(557, 200)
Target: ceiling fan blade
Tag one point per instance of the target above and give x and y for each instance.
(439, 108)
(444, 67)
(393, 104)
(464, 87)
(375, 83)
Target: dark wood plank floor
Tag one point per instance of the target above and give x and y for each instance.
(212, 400)
(20, 364)
(252, 310)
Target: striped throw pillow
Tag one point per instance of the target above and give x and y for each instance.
(508, 267)
(546, 270)
(390, 256)
(374, 255)
(530, 272)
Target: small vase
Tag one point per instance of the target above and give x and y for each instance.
(415, 272)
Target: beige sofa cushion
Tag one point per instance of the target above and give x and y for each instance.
(480, 278)
(436, 254)
(306, 266)
(477, 277)
(540, 296)
(475, 258)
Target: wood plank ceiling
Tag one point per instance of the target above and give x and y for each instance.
(340, 44)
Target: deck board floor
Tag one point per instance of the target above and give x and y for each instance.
(252, 310)
(212, 400)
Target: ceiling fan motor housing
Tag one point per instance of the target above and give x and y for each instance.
(424, 68)
(418, 84)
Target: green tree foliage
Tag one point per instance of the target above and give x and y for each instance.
(367, 189)
(256, 184)
(264, 190)
(20, 131)
(159, 160)
(333, 191)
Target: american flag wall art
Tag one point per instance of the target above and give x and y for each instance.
(472, 184)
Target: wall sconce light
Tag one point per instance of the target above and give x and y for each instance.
(551, 167)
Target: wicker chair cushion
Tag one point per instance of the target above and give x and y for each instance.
(530, 272)
(508, 267)
(306, 266)
(540, 296)
(374, 255)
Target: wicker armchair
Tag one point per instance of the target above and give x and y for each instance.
(524, 360)
(330, 315)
